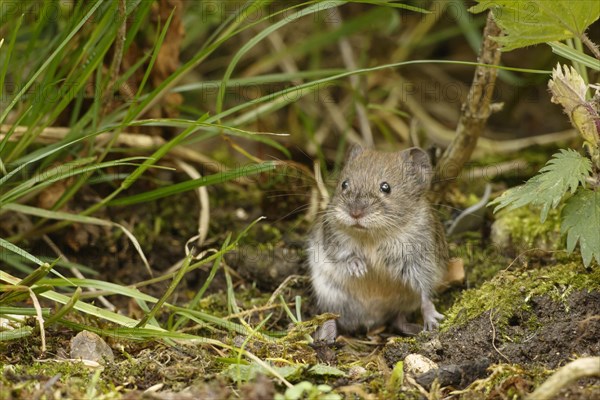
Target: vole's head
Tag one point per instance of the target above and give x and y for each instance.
(379, 190)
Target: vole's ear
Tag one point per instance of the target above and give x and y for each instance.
(354, 151)
(417, 156)
(417, 162)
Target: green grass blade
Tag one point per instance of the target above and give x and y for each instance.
(23, 311)
(157, 306)
(106, 288)
(39, 155)
(282, 98)
(9, 51)
(65, 309)
(195, 183)
(17, 250)
(50, 59)
(576, 56)
(83, 219)
(59, 173)
(198, 296)
(263, 34)
(157, 48)
(18, 333)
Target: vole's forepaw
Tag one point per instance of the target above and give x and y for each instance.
(357, 267)
(431, 320)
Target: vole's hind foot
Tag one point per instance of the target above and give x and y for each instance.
(406, 328)
(409, 329)
(326, 333)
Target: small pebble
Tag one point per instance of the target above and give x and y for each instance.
(416, 364)
(356, 372)
(89, 346)
(432, 346)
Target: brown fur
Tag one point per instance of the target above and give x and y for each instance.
(375, 256)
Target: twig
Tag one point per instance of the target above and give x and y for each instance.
(254, 310)
(53, 134)
(323, 192)
(45, 390)
(443, 136)
(494, 339)
(581, 368)
(39, 317)
(475, 112)
(529, 251)
(204, 217)
(411, 381)
(283, 285)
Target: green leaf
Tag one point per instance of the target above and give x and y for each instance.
(563, 173)
(326, 370)
(526, 23)
(581, 222)
(243, 373)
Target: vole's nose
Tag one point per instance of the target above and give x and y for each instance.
(356, 212)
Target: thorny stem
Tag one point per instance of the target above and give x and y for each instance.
(591, 45)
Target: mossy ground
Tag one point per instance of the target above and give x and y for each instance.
(524, 314)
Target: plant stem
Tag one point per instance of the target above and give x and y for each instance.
(591, 45)
(475, 112)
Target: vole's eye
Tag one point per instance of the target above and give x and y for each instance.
(385, 187)
(345, 184)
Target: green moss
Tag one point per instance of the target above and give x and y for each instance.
(75, 380)
(522, 228)
(510, 291)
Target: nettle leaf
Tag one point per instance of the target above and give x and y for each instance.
(569, 90)
(530, 22)
(563, 173)
(581, 222)
(326, 370)
(244, 373)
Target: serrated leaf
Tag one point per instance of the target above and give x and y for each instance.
(244, 373)
(530, 22)
(326, 370)
(581, 223)
(563, 173)
(569, 90)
